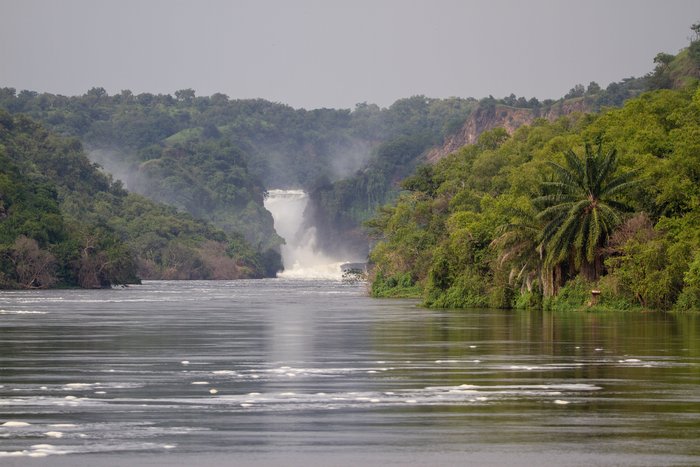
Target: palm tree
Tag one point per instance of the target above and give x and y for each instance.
(580, 209)
(517, 245)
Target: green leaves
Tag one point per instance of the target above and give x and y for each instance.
(581, 207)
(77, 228)
(533, 213)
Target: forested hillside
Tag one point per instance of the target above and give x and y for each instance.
(584, 210)
(65, 223)
(608, 202)
(340, 207)
(214, 157)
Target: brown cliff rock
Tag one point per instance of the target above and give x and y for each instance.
(486, 118)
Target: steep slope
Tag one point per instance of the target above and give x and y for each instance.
(63, 222)
(166, 148)
(490, 116)
(474, 230)
(503, 221)
(214, 157)
(670, 72)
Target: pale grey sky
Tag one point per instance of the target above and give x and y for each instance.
(316, 53)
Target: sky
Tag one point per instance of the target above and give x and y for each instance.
(336, 54)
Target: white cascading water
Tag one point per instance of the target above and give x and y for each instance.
(299, 255)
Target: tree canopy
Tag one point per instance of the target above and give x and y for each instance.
(529, 222)
(580, 208)
(64, 222)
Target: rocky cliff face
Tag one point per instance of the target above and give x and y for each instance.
(488, 117)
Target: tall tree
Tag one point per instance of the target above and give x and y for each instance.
(581, 208)
(517, 245)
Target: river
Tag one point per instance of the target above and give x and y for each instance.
(293, 372)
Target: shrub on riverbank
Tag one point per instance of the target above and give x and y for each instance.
(477, 238)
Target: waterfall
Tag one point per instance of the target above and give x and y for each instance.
(299, 255)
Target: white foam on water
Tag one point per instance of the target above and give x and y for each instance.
(15, 424)
(322, 270)
(40, 299)
(326, 372)
(547, 367)
(300, 256)
(22, 312)
(36, 450)
(72, 386)
(54, 434)
(428, 396)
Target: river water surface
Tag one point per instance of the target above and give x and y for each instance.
(290, 372)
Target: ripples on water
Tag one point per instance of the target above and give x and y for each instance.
(278, 366)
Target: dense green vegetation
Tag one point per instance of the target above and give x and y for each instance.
(407, 129)
(166, 148)
(65, 223)
(214, 157)
(605, 202)
(608, 202)
(418, 124)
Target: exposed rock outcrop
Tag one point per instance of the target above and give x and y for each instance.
(488, 117)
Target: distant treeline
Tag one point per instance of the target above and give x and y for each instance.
(213, 158)
(592, 210)
(65, 223)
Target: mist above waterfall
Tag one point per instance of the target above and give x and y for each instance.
(300, 257)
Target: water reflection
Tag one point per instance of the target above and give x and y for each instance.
(269, 366)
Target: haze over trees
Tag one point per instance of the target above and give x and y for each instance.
(214, 157)
(606, 201)
(211, 159)
(522, 220)
(64, 222)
